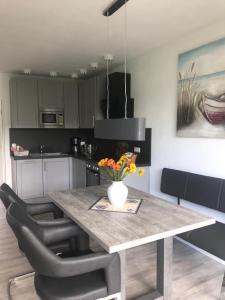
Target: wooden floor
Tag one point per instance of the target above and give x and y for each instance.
(195, 276)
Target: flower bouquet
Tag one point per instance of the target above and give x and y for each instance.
(117, 171)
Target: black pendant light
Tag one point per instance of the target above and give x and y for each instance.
(126, 128)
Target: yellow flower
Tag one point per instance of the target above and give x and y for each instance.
(141, 172)
(132, 168)
(123, 158)
(102, 162)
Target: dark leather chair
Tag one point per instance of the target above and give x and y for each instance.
(61, 235)
(86, 277)
(32, 208)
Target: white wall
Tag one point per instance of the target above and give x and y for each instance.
(154, 88)
(5, 161)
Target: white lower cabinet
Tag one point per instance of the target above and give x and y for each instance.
(29, 178)
(34, 178)
(56, 174)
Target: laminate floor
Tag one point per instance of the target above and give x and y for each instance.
(195, 276)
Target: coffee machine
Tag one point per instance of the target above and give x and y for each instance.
(79, 146)
(76, 145)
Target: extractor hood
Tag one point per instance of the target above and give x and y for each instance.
(132, 129)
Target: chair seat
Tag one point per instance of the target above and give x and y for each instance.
(88, 286)
(210, 238)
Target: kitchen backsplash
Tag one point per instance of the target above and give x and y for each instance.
(59, 140)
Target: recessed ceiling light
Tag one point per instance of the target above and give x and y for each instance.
(83, 71)
(108, 57)
(27, 71)
(94, 65)
(74, 75)
(53, 73)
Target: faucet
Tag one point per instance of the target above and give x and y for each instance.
(42, 148)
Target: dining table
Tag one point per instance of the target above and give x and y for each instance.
(156, 220)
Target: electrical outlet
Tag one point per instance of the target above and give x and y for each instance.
(137, 149)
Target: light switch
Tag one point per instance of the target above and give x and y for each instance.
(137, 149)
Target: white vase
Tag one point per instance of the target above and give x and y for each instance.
(117, 193)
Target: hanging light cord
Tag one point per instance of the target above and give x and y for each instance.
(107, 68)
(125, 56)
(107, 78)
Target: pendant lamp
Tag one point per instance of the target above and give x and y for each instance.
(123, 128)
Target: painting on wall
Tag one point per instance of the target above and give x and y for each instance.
(201, 91)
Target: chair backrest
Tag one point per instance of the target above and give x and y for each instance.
(22, 217)
(5, 199)
(203, 190)
(11, 194)
(42, 259)
(173, 182)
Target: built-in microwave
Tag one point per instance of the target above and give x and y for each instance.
(51, 118)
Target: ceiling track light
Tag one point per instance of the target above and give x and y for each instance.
(83, 71)
(114, 7)
(27, 71)
(53, 73)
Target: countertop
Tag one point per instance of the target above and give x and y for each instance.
(77, 156)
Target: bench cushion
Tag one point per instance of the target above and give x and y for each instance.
(210, 238)
(203, 190)
(173, 182)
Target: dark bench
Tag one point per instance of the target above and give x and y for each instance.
(203, 190)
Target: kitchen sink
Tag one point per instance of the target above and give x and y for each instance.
(47, 154)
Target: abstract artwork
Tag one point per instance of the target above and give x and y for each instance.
(201, 91)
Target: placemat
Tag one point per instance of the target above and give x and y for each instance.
(131, 206)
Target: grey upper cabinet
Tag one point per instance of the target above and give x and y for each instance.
(50, 93)
(87, 98)
(91, 93)
(78, 173)
(29, 178)
(24, 103)
(71, 109)
(56, 174)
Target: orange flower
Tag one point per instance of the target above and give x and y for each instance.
(110, 163)
(102, 162)
(116, 167)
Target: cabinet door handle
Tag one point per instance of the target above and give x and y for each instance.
(44, 166)
(93, 120)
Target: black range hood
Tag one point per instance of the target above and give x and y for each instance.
(117, 127)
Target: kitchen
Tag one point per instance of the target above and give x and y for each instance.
(103, 195)
(50, 119)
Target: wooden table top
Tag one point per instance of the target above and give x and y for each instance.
(156, 218)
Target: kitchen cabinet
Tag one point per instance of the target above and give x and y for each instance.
(24, 103)
(71, 110)
(91, 92)
(50, 93)
(29, 178)
(35, 178)
(79, 173)
(56, 174)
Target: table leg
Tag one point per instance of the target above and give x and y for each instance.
(122, 255)
(164, 267)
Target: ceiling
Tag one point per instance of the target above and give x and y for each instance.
(65, 35)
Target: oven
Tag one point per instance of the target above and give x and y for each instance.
(51, 118)
(92, 174)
